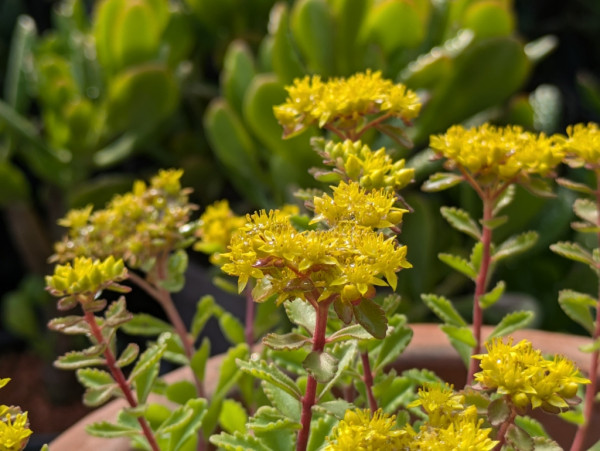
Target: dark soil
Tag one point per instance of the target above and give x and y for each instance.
(35, 387)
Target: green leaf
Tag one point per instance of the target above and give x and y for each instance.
(343, 310)
(586, 210)
(441, 181)
(270, 373)
(444, 309)
(232, 328)
(393, 345)
(181, 392)
(70, 325)
(592, 347)
(268, 418)
(187, 431)
(532, 426)
(94, 397)
(461, 221)
(498, 412)
(148, 358)
(76, 359)
(539, 187)
(511, 322)
(491, 297)
(321, 365)
(520, 439)
(285, 58)
(204, 311)
(146, 370)
(128, 355)
(237, 441)
(354, 331)
(176, 267)
(287, 341)
(573, 251)
(199, 359)
(574, 186)
(585, 227)
(105, 429)
(494, 222)
(301, 313)
(143, 324)
(21, 44)
(395, 25)
(320, 429)
(372, 317)
(14, 186)
(515, 245)
(459, 264)
(238, 71)
(345, 354)
(229, 371)
(462, 340)
(337, 407)
(93, 377)
(504, 200)
(578, 307)
(233, 416)
(287, 404)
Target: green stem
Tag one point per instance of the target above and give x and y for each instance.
(590, 390)
(481, 282)
(249, 324)
(368, 380)
(120, 377)
(309, 398)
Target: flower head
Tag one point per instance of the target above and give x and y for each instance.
(582, 145)
(521, 373)
(359, 430)
(14, 426)
(496, 154)
(344, 103)
(440, 402)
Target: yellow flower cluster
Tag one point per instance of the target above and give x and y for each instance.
(492, 154)
(344, 103)
(86, 276)
(371, 169)
(136, 226)
(450, 424)
(583, 145)
(350, 202)
(14, 426)
(521, 373)
(361, 431)
(348, 259)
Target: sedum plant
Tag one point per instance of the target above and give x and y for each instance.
(326, 382)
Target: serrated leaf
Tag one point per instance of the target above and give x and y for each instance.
(461, 339)
(270, 373)
(444, 310)
(337, 407)
(146, 325)
(354, 331)
(343, 310)
(94, 397)
(321, 365)
(511, 322)
(128, 355)
(498, 412)
(586, 210)
(237, 442)
(585, 227)
(574, 186)
(199, 359)
(372, 317)
(539, 187)
(287, 341)
(301, 313)
(476, 256)
(392, 346)
(459, 264)
(547, 444)
(491, 297)
(149, 357)
(116, 314)
(105, 429)
(515, 245)
(577, 307)
(204, 311)
(441, 181)
(232, 328)
(494, 222)
(76, 359)
(71, 325)
(187, 431)
(573, 251)
(320, 429)
(287, 404)
(461, 221)
(504, 199)
(94, 377)
(532, 426)
(178, 418)
(346, 354)
(268, 418)
(518, 438)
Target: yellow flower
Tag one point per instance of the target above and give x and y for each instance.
(521, 373)
(14, 426)
(344, 103)
(86, 276)
(440, 402)
(350, 202)
(583, 145)
(495, 154)
(359, 431)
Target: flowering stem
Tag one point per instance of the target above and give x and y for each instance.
(308, 400)
(590, 390)
(501, 437)
(481, 281)
(249, 325)
(119, 377)
(368, 379)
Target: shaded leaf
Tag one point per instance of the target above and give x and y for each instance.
(371, 317)
(146, 325)
(199, 359)
(504, 199)
(237, 441)
(77, 359)
(444, 310)
(287, 341)
(345, 353)
(574, 186)
(232, 328)
(204, 311)
(461, 339)
(321, 365)
(393, 345)
(110, 430)
(515, 245)
(520, 439)
(441, 181)
(270, 373)
(287, 404)
(578, 307)
(301, 313)
(511, 322)
(459, 264)
(268, 418)
(354, 331)
(586, 210)
(461, 221)
(491, 297)
(498, 411)
(573, 251)
(128, 355)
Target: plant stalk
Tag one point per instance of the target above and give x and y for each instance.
(309, 398)
(90, 318)
(368, 380)
(480, 283)
(249, 322)
(590, 390)
(501, 437)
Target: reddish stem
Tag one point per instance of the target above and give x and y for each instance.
(590, 390)
(308, 400)
(119, 377)
(501, 437)
(480, 283)
(368, 380)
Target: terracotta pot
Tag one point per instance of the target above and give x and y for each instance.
(428, 349)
